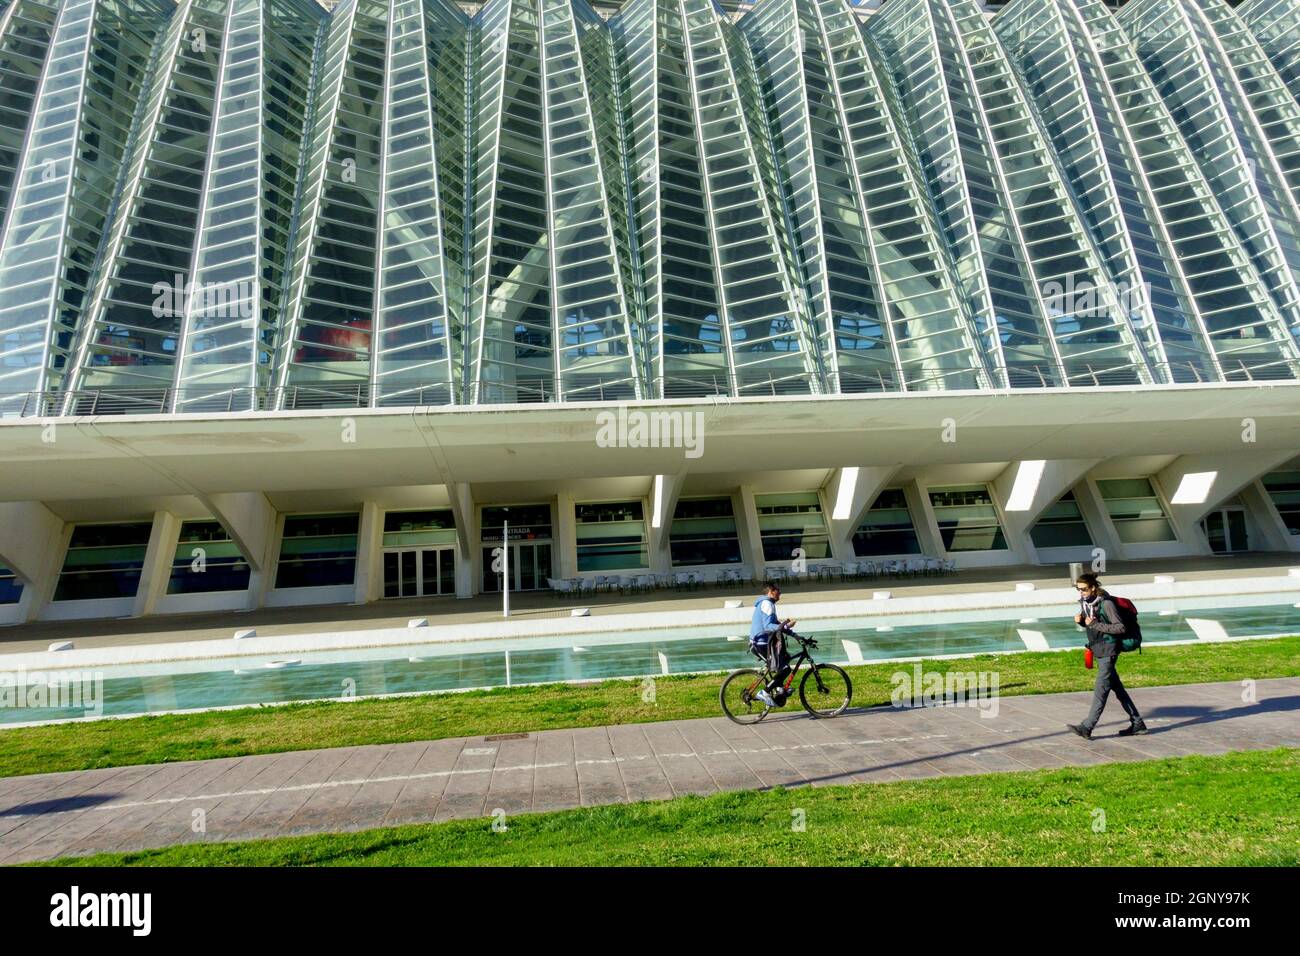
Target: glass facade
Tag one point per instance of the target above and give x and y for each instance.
(11, 589)
(704, 532)
(103, 561)
(207, 559)
(1061, 525)
(1136, 511)
(1283, 489)
(233, 205)
(967, 518)
(887, 528)
(318, 551)
(611, 536)
(791, 522)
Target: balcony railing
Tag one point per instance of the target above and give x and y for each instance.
(155, 401)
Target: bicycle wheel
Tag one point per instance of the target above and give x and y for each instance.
(737, 696)
(825, 691)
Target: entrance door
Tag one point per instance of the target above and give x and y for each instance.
(419, 572)
(530, 566)
(1226, 530)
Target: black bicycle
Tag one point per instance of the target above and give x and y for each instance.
(825, 690)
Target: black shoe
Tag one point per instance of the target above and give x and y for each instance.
(1085, 734)
(1137, 727)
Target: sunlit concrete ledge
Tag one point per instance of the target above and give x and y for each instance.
(1005, 597)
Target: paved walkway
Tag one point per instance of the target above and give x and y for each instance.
(353, 788)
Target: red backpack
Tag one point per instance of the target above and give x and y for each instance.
(1131, 639)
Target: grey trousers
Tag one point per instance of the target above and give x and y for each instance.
(1107, 681)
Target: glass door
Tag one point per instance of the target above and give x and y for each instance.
(530, 566)
(419, 572)
(1226, 530)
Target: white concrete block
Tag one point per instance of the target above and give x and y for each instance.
(1024, 585)
(417, 622)
(61, 646)
(880, 595)
(734, 602)
(580, 612)
(245, 634)
(1163, 579)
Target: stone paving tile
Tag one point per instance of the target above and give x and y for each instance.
(64, 807)
(357, 787)
(681, 763)
(717, 753)
(599, 778)
(643, 775)
(510, 787)
(465, 793)
(144, 824)
(327, 808)
(556, 780)
(372, 801)
(417, 800)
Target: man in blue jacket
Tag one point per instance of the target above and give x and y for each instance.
(767, 640)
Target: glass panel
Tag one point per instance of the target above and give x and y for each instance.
(703, 532)
(207, 559)
(792, 521)
(318, 551)
(611, 536)
(103, 561)
(887, 528)
(967, 518)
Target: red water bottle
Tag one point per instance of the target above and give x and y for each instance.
(1087, 657)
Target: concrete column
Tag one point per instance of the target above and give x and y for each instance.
(1104, 536)
(254, 526)
(927, 528)
(751, 542)
(1268, 523)
(33, 540)
(849, 493)
(262, 581)
(158, 557)
(1025, 489)
(664, 492)
(370, 554)
(1197, 484)
(566, 537)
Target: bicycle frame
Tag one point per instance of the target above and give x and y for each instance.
(796, 663)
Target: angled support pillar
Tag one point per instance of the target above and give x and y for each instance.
(1277, 536)
(1028, 488)
(664, 492)
(158, 556)
(1197, 484)
(751, 541)
(1105, 540)
(850, 492)
(370, 554)
(251, 521)
(31, 545)
(461, 497)
(923, 520)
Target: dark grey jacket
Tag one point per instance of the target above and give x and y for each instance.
(1103, 635)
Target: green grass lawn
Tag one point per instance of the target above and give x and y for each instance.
(1232, 810)
(255, 730)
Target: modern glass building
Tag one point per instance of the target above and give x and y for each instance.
(456, 229)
